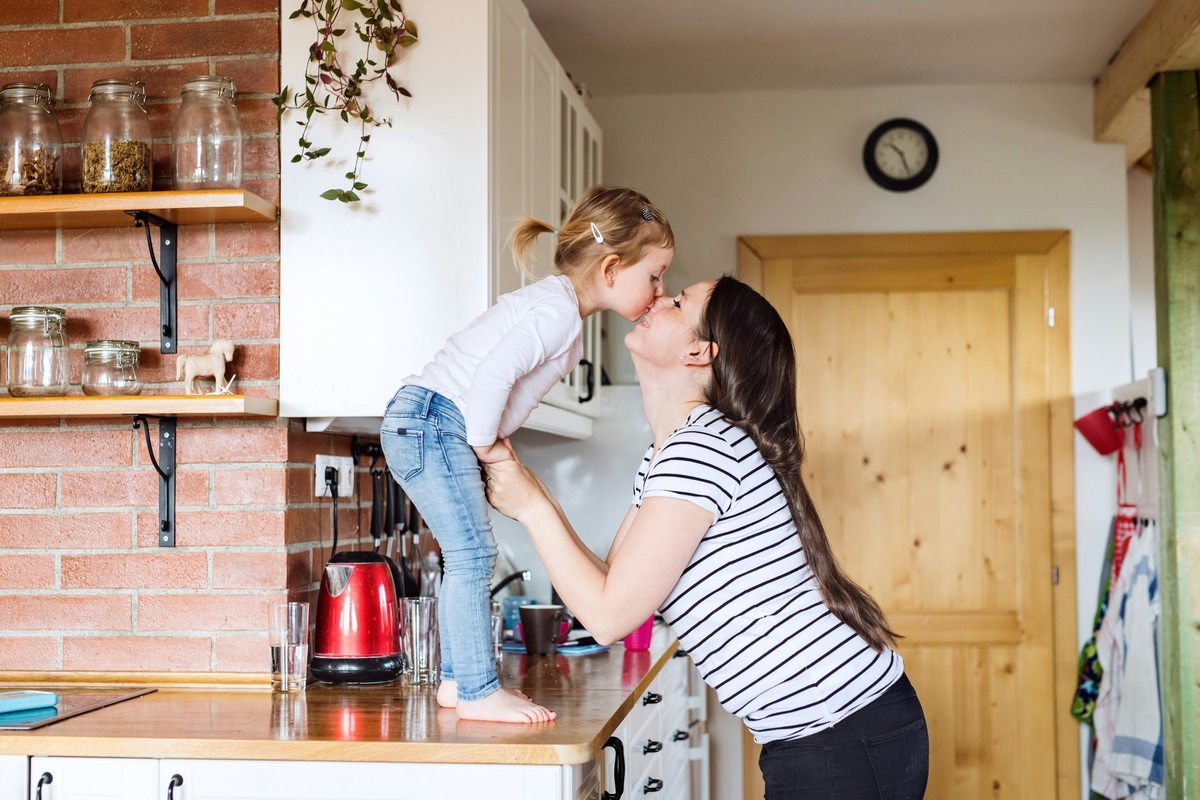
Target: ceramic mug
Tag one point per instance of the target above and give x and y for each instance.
(544, 626)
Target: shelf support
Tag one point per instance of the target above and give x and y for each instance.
(168, 290)
(164, 465)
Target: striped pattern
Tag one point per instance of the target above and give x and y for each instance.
(747, 608)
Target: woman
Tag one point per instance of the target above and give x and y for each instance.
(724, 540)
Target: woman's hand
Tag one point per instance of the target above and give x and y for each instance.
(513, 489)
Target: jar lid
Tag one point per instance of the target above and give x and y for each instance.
(39, 93)
(111, 346)
(210, 83)
(37, 312)
(119, 86)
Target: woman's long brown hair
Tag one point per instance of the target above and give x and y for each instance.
(754, 386)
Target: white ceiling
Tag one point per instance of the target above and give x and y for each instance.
(665, 46)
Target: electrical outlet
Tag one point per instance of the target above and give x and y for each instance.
(345, 468)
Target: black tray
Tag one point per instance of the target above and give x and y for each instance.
(69, 705)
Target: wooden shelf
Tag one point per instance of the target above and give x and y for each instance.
(158, 405)
(109, 210)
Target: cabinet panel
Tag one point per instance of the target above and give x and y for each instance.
(14, 777)
(94, 778)
(276, 780)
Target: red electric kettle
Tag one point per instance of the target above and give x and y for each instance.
(357, 636)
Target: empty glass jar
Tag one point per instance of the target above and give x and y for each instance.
(116, 153)
(110, 366)
(37, 352)
(207, 136)
(30, 141)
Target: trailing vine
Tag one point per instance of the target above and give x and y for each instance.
(329, 87)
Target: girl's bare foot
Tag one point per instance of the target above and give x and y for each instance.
(447, 694)
(504, 706)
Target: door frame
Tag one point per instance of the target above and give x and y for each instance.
(1053, 248)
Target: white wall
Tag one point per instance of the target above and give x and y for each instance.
(1141, 273)
(1012, 157)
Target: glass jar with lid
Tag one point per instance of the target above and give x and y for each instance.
(110, 367)
(116, 152)
(37, 352)
(30, 141)
(207, 136)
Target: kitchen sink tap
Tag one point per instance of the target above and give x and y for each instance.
(524, 575)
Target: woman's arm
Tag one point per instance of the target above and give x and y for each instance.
(650, 552)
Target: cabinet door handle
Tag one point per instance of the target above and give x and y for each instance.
(618, 769)
(590, 380)
(651, 746)
(651, 698)
(45, 780)
(176, 780)
(680, 736)
(652, 785)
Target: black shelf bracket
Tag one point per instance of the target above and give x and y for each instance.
(165, 267)
(164, 465)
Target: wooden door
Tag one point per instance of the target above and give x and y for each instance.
(933, 393)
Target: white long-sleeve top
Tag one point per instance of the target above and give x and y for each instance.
(498, 368)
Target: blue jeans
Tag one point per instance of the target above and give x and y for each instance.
(424, 440)
(880, 752)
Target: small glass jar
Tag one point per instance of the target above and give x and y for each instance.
(37, 352)
(116, 152)
(30, 141)
(207, 136)
(110, 366)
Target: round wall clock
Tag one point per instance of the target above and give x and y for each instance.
(900, 154)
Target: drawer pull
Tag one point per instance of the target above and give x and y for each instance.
(176, 780)
(652, 785)
(651, 698)
(45, 780)
(680, 736)
(651, 746)
(618, 769)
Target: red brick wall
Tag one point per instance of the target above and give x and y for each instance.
(83, 585)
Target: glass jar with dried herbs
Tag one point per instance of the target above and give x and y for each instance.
(116, 153)
(30, 141)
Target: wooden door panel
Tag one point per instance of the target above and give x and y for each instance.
(923, 401)
(906, 406)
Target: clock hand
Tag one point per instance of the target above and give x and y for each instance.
(903, 160)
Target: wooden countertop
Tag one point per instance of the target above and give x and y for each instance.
(391, 723)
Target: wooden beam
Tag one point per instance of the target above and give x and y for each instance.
(1177, 300)
(1167, 39)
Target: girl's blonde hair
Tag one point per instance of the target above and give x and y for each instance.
(606, 220)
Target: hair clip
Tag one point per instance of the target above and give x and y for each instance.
(596, 233)
(556, 231)
(646, 215)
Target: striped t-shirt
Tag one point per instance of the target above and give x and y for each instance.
(747, 608)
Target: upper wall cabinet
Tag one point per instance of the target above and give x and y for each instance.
(369, 293)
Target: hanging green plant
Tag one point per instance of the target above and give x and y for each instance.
(329, 87)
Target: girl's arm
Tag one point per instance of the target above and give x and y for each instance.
(650, 552)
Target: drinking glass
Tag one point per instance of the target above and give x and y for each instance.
(421, 644)
(288, 632)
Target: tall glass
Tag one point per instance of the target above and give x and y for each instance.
(288, 633)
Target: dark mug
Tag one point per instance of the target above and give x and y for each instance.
(543, 627)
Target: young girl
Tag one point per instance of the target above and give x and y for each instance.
(444, 422)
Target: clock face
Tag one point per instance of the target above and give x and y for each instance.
(900, 155)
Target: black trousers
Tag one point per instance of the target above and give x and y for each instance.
(880, 752)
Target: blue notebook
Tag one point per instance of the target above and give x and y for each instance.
(11, 702)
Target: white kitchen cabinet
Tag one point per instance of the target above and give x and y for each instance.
(664, 746)
(63, 778)
(368, 294)
(14, 778)
(279, 780)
